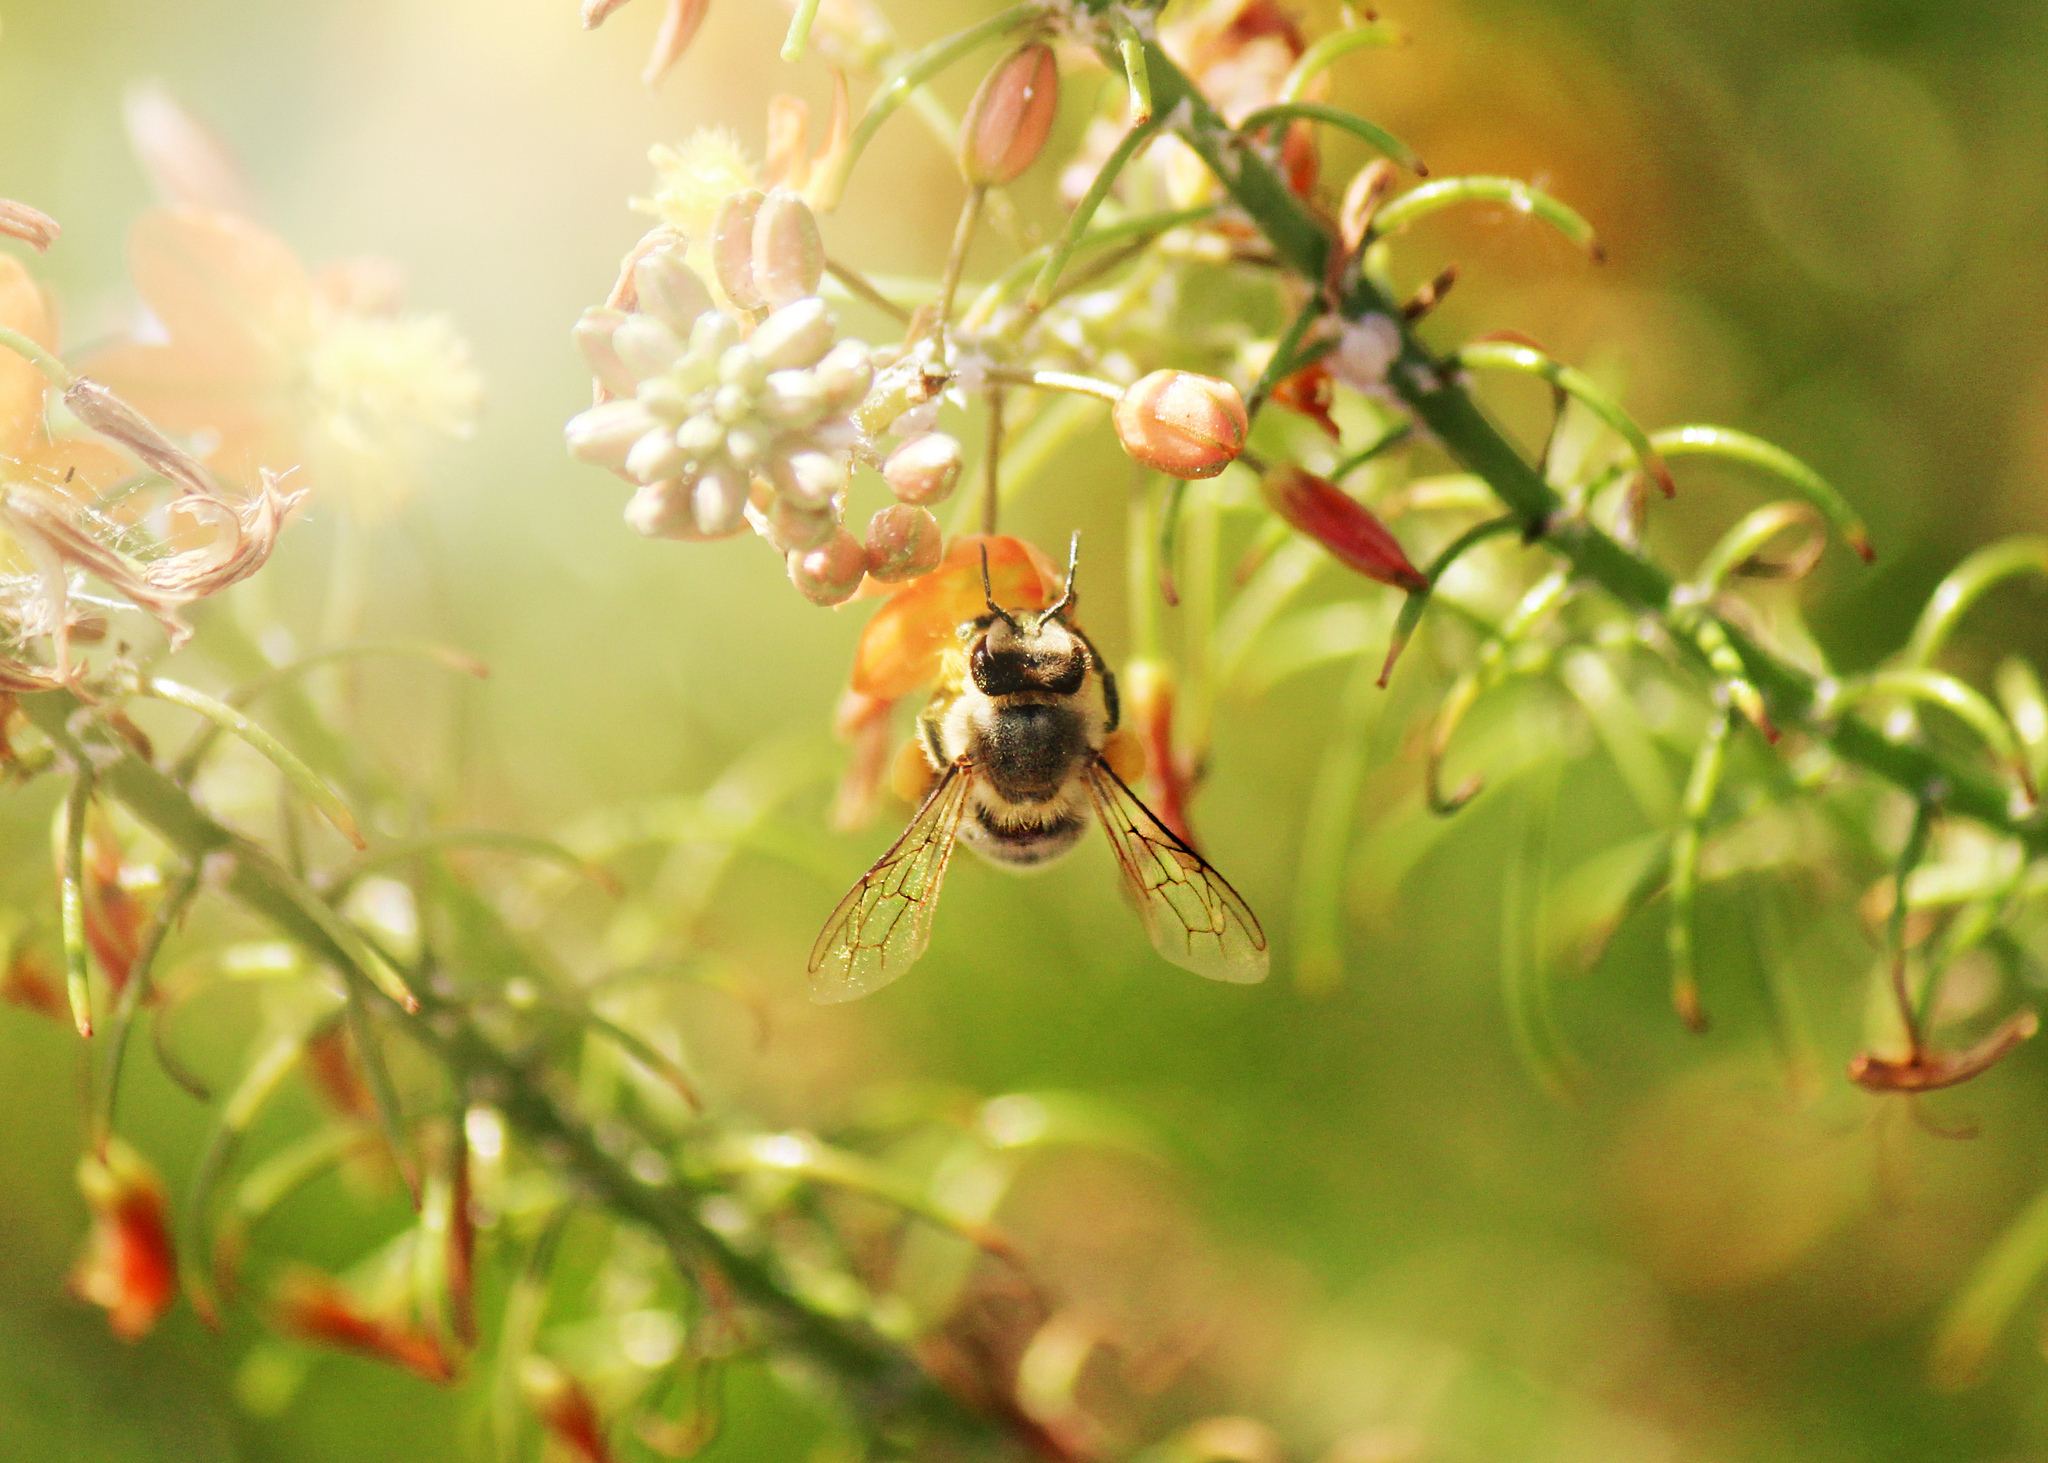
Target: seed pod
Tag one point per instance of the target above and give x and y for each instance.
(593, 337)
(798, 334)
(1186, 426)
(1006, 124)
(606, 433)
(903, 543)
(670, 291)
(830, 574)
(1341, 524)
(925, 469)
(789, 255)
(647, 346)
(732, 247)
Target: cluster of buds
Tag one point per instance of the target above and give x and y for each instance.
(703, 410)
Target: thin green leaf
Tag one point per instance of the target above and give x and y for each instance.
(362, 1029)
(1131, 47)
(1524, 973)
(1734, 446)
(1740, 550)
(1331, 48)
(1499, 355)
(522, 845)
(1418, 601)
(1980, 1311)
(257, 686)
(71, 816)
(1702, 786)
(1326, 836)
(802, 1156)
(135, 994)
(1398, 213)
(1964, 702)
(286, 761)
(1370, 133)
(1967, 583)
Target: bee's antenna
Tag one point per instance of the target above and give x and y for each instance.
(988, 593)
(1067, 596)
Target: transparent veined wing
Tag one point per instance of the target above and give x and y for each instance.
(885, 921)
(1193, 916)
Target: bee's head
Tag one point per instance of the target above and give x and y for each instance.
(1018, 651)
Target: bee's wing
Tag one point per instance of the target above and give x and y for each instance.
(1194, 917)
(885, 921)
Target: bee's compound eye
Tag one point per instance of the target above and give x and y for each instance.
(979, 667)
(996, 673)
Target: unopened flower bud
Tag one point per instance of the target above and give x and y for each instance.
(829, 575)
(791, 396)
(713, 335)
(606, 433)
(719, 501)
(30, 225)
(669, 290)
(1341, 524)
(794, 528)
(925, 469)
(811, 478)
(903, 543)
(789, 255)
(647, 346)
(798, 334)
(655, 455)
(593, 337)
(844, 375)
(1186, 426)
(732, 247)
(1006, 124)
(662, 510)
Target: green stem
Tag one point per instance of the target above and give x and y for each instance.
(1370, 133)
(71, 847)
(58, 374)
(1419, 378)
(799, 30)
(136, 991)
(1084, 212)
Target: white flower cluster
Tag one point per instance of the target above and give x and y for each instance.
(701, 415)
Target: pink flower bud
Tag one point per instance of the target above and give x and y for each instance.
(732, 247)
(789, 255)
(1341, 524)
(903, 543)
(925, 469)
(1007, 122)
(829, 575)
(669, 290)
(1186, 426)
(794, 528)
(593, 336)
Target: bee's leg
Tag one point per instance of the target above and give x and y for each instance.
(1110, 702)
(928, 727)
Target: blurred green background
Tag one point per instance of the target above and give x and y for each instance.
(1826, 224)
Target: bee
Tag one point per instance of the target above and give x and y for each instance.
(1018, 737)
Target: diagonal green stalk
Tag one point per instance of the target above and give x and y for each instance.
(1084, 212)
(1301, 244)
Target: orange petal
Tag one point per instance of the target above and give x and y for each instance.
(900, 649)
(231, 295)
(23, 307)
